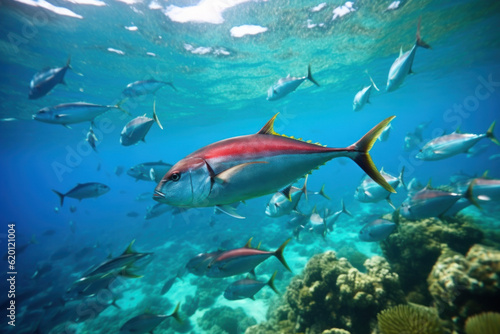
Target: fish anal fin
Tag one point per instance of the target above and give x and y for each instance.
(226, 175)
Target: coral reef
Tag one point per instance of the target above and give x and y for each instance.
(484, 323)
(415, 247)
(332, 295)
(462, 286)
(409, 319)
(225, 320)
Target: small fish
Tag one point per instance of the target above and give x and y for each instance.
(143, 171)
(316, 224)
(242, 260)
(157, 210)
(331, 219)
(21, 249)
(430, 202)
(247, 288)
(370, 192)
(285, 86)
(245, 167)
(283, 202)
(377, 230)
(92, 285)
(146, 323)
(45, 80)
(71, 113)
(120, 263)
(91, 138)
(42, 270)
(145, 87)
(384, 136)
(118, 170)
(132, 214)
(363, 96)
(450, 145)
(402, 66)
(198, 265)
(84, 190)
(137, 129)
(168, 283)
(494, 156)
(72, 209)
(485, 188)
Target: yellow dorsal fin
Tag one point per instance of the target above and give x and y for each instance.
(268, 129)
(429, 185)
(129, 248)
(249, 243)
(485, 175)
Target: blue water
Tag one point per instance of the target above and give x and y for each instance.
(221, 95)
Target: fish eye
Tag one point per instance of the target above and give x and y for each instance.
(175, 177)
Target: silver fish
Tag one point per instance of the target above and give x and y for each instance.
(430, 202)
(157, 210)
(145, 87)
(450, 145)
(71, 113)
(247, 288)
(402, 65)
(370, 192)
(385, 133)
(377, 230)
(91, 138)
(363, 96)
(143, 171)
(45, 80)
(285, 86)
(137, 129)
(84, 190)
(331, 219)
(146, 323)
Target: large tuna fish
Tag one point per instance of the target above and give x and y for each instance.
(137, 129)
(246, 167)
(84, 190)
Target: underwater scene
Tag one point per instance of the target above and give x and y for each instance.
(250, 166)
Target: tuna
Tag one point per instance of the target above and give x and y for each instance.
(241, 168)
(145, 87)
(285, 86)
(71, 113)
(247, 288)
(147, 322)
(377, 230)
(331, 219)
(242, 260)
(450, 145)
(146, 170)
(402, 66)
(371, 192)
(84, 190)
(137, 129)
(363, 96)
(45, 80)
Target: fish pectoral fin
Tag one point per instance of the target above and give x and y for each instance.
(438, 152)
(369, 194)
(229, 210)
(226, 175)
(60, 115)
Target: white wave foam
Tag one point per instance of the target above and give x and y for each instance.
(247, 30)
(48, 6)
(206, 11)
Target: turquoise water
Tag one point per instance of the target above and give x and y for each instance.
(222, 84)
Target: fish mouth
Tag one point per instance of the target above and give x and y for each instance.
(158, 195)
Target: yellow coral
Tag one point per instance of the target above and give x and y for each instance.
(407, 319)
(484, 323)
